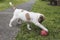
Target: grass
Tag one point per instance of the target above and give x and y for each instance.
(52, 22)
(5, 3)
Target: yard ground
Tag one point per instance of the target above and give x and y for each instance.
(52, 22)
(4, 3)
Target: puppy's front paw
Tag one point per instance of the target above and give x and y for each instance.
(10, 25)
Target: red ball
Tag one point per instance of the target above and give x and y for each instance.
(44, 33)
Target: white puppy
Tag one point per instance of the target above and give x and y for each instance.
(26, 16)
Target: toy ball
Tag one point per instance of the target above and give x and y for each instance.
(44, 33)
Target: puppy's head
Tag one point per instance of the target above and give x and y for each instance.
(41, 18)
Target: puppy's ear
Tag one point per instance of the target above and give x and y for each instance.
(41, 19)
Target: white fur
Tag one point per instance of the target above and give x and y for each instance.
(19, 14)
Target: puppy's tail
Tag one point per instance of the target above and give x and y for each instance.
(12, 5)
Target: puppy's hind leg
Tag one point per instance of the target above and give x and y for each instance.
(13, 18)
(19, 21)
